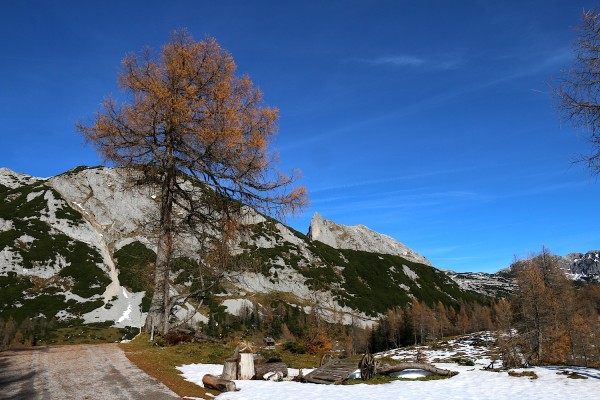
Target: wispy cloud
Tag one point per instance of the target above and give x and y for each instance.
(413, 61)
(542, 65)
(399, 61)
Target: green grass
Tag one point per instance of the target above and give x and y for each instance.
(88, 334)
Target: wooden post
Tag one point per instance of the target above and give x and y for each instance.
(230, 369)
(246, 367)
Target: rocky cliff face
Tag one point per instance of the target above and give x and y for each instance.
(79, 246)
(490, 285)
(583, 266)
(359, 237)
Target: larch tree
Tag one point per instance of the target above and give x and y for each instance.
(578, 89)
(188, 118)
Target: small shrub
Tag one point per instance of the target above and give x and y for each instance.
(463, 361)
(295, 347)
(176, 337)
(573, 375)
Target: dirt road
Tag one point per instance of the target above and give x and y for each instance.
(76, 372)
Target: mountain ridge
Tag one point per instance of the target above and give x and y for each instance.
(76, 246)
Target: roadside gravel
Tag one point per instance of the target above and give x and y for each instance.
(76, 372)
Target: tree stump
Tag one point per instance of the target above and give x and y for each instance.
(246, 367)
(230, 369)
(216, 383)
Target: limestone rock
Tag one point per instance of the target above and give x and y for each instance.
(359, 237)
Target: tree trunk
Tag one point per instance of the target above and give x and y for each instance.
(262, 369)
(222, 385)
(158, 315)
(386, 368)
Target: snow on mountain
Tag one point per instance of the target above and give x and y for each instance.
(583, 266)
(359, 237)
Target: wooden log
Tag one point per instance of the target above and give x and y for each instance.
(387, 369)
(220, 384)
(262, 369)
(230, 369)
(246, 366)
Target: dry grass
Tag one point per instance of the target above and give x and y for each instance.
(160, 362)
(529, 374)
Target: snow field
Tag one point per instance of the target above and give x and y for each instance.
(472, 382)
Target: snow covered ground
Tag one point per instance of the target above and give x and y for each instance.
(472, 382)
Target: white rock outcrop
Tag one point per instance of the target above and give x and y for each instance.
(359, 237)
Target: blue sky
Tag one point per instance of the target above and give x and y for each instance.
(429, 121)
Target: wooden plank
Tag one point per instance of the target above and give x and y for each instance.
(335, 371)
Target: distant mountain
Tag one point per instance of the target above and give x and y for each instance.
(359, 237)
(579, 267)
(77, 247)
(585, 267)
(491, 285)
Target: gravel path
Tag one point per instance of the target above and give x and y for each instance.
(76, 372)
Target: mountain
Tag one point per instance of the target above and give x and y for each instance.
(494, 286)
(359, 237)
(78, 247)
(579, 267)
(583, 267)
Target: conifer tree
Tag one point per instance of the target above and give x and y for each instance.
(188, 113)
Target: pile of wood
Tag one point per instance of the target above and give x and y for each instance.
(245, 365)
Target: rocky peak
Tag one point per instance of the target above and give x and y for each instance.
(584, 266)
(12, 179)
(359, 237)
